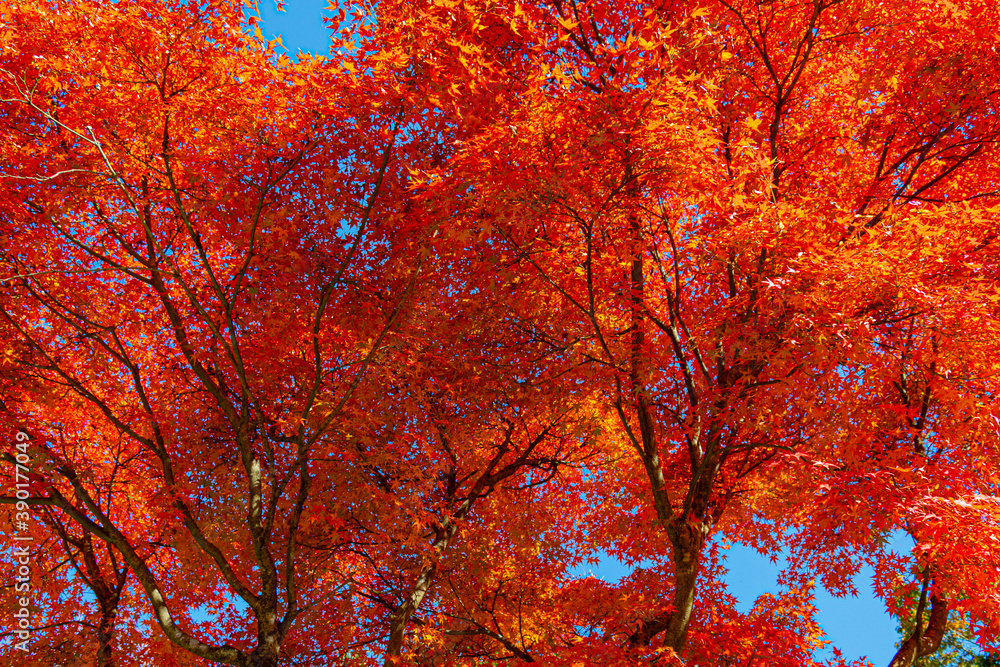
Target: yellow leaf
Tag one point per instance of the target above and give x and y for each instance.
(567, 24)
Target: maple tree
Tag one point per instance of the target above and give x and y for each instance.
(203, 267)
(358, 359)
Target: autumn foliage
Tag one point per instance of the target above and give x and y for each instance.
(366, 358)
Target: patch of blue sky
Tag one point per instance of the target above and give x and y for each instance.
(304, 26)
(207, 613)
(858, 625)
(300, 26)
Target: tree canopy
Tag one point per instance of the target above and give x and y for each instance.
(357, 359)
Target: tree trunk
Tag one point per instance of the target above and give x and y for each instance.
(687, 540)
(923, 643)
(265, 655)
(105, 637)
(401, 617)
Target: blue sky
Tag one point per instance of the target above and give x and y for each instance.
(859, 626)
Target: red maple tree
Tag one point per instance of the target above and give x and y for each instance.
(354, 359)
